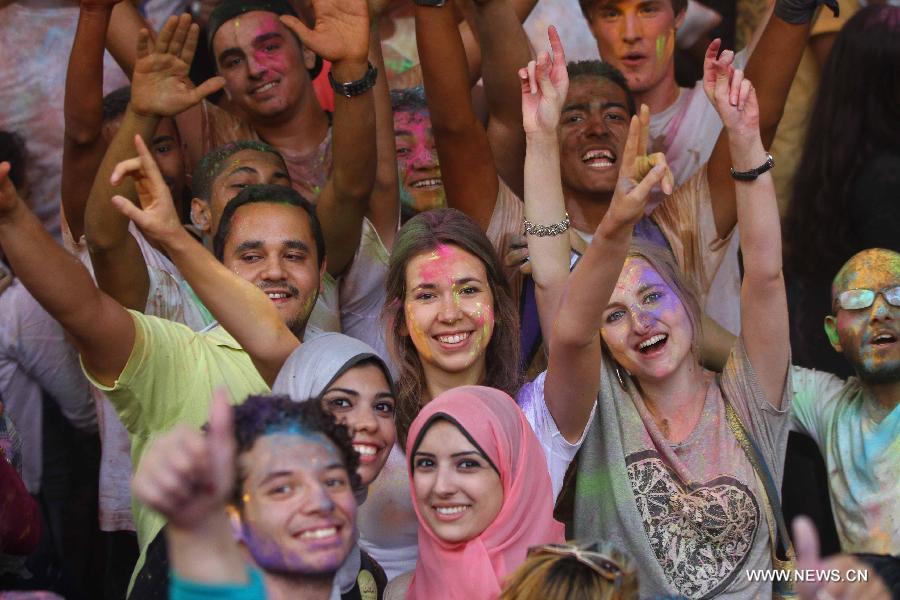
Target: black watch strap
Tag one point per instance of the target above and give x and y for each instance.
(433, 3)
(355, 88)
(752, 174)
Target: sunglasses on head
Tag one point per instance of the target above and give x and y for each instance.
(589, 556)
(857, 299)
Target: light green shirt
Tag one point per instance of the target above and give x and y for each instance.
(169, 379)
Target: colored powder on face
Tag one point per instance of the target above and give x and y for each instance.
(419, 339)
(660, 46)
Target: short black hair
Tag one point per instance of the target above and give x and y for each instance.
(13, 151)
(409, 100)
(262, 415)
(602, 70)
(214, 162)
(273, 194)
(115, 103)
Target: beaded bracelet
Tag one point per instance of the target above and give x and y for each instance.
(547, 230)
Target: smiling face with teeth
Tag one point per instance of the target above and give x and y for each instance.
(272, 246)
(593, 128)
(421, 186)
(449, 310)
(298, 512)
(361, 400)
(264, 66)
(645, 325)
(868, 337)
(458, 492)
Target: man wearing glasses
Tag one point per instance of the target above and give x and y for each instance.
(856, 423)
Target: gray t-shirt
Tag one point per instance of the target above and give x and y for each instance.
(692, 514)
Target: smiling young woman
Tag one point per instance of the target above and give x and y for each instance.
(482, 495)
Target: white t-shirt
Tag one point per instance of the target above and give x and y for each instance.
(362, 293)
(558, 451)
(861, 445)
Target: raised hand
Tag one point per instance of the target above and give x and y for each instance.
(843, 587)
(732, 96)
(160, 84)
(187, 476)
(545, 83)
(638, 174)
(156, 216)
(341, 31)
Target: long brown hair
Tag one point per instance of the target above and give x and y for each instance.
(425, 232)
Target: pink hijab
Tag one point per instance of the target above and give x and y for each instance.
(478, 568)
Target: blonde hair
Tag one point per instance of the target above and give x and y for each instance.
(550, 576)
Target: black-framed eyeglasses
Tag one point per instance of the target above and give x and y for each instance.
(863, 298)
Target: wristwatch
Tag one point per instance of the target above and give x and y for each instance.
(752, 174)
(355, 88)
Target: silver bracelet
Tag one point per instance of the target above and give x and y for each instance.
(547, 230)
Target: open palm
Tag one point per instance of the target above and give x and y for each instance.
(341, 31)
(160, 84)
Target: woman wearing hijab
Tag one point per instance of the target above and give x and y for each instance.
(354, 384)
(482, 495)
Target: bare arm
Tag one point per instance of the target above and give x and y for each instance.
(83, 144)
(230, 298)
(573, 372)
(159, 88)
(102, 331)
(504, 49)
(124, 28)
(771, 68)
(764, 317)
(384, 205)
(467, 163)
(341, 36)
(543, 90)
(522, 9)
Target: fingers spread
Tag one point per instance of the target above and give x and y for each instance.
(165, 35)
(190, 44)
(143, 43)
(180, 35)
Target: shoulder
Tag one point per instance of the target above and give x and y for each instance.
(398, 587)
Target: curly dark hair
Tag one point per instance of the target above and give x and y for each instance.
(424, 233)
(602, 70)
(262, 415)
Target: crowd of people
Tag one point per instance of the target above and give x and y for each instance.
(385, 299)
